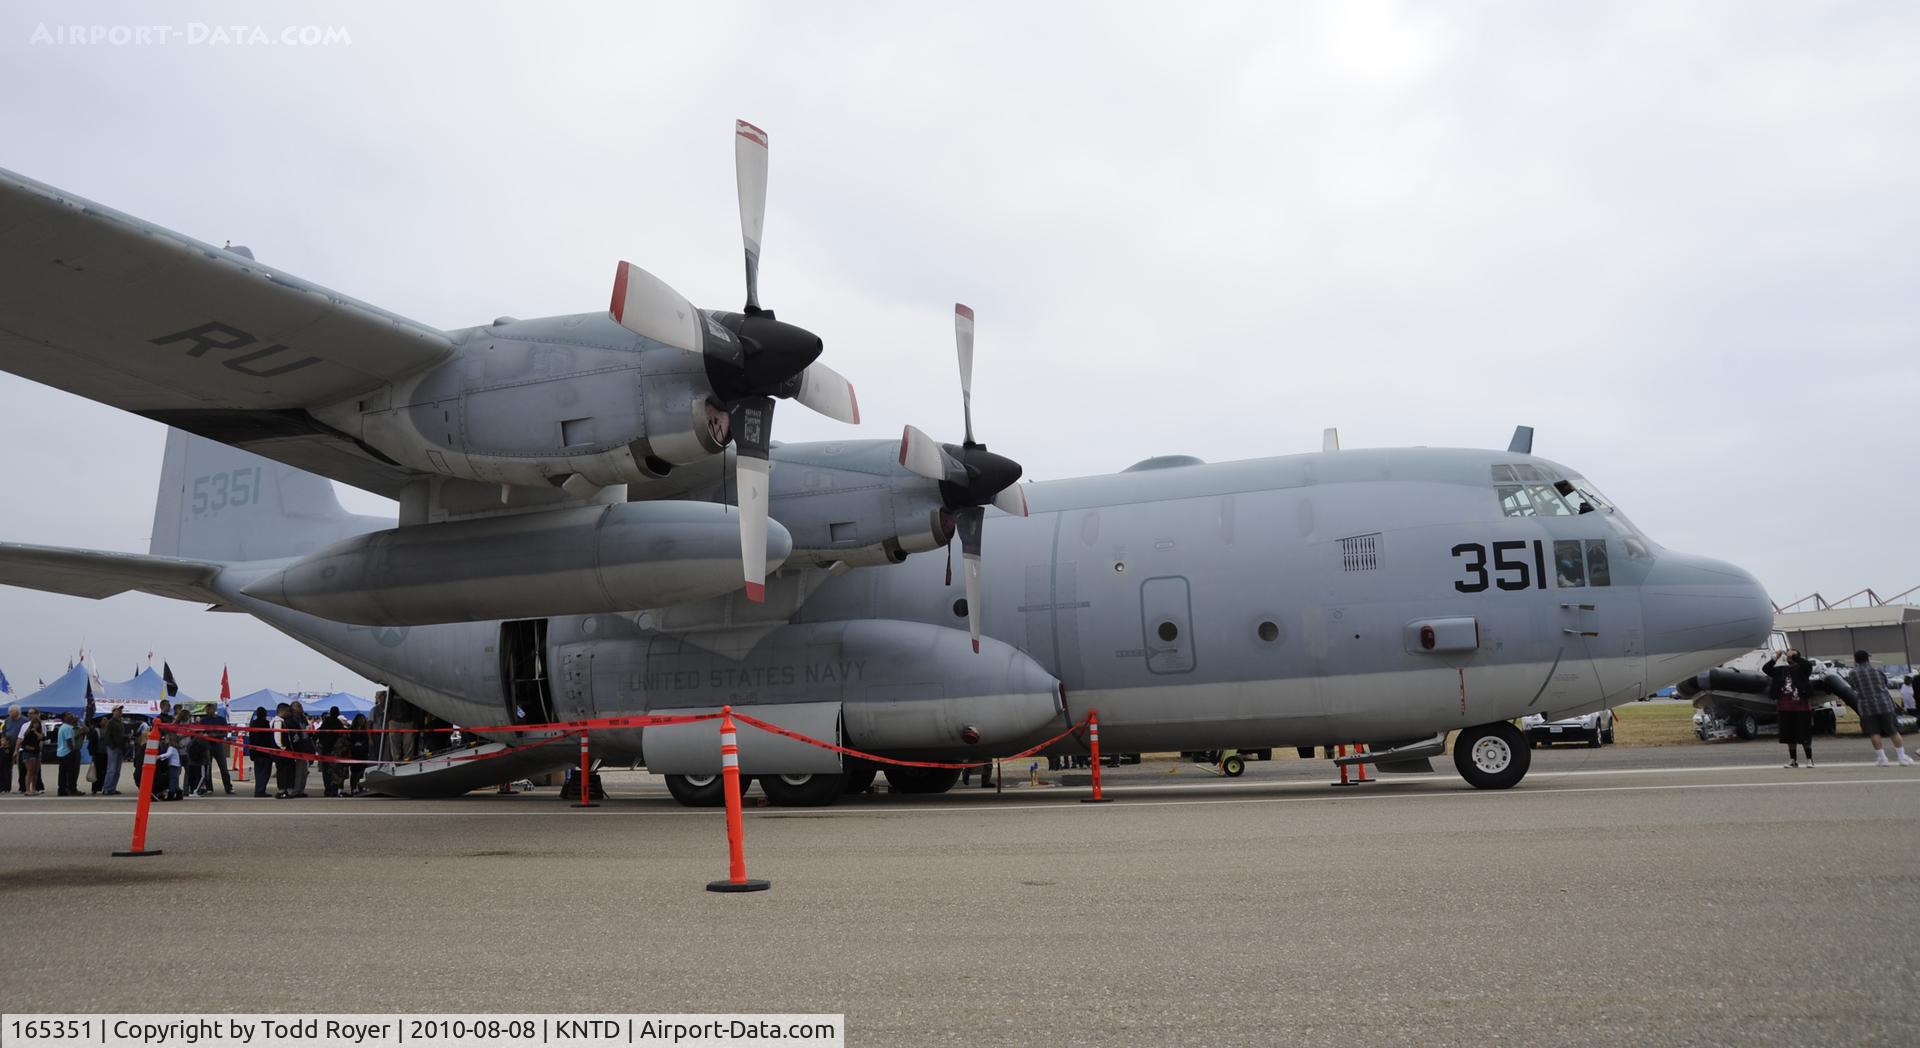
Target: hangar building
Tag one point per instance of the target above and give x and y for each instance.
(1888, 632)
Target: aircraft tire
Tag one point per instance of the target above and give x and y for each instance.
(1747, 726)
(922, 780)
(1492, 756)
(698, 791)
(804, 791)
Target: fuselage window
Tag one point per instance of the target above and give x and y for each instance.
(1568, 567)
(1598, 573)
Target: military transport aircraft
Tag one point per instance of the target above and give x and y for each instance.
(565, 547)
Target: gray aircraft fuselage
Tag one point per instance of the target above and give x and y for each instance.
(1270, 602)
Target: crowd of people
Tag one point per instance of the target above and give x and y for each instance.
(282, 745)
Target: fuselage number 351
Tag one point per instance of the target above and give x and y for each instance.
(1511, 568)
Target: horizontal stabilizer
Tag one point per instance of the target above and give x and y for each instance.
(97, 574)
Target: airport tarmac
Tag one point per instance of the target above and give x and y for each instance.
(1678, 895)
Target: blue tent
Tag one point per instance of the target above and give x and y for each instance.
(149, 686)
(67, 694)
(316, 705)
(349, 704)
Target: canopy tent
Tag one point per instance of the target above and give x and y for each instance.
(68, 694)
(315, 704)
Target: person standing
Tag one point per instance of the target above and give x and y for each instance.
(49, 749)
(1877, 716)
(97, 754)
(332, 742)
(359, 748)
(300, 741)
(1789, 687)
(66, 747)
(7, 735)
(218, 739)
(113, 738)
(29, 742)
(283, 760)
(258, 741)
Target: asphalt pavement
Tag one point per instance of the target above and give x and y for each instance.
(1679, 895)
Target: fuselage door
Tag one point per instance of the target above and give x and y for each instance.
(1166, 623)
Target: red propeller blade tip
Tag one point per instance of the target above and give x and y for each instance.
(756, 592)
(965, 311)
(619, 306)
(976, 647)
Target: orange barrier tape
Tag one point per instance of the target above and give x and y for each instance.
(849, 751)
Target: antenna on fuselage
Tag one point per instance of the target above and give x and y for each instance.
(1330, 439)
(1522, 442)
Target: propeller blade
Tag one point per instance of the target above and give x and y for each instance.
(963, 340)
(970, 522)
(924, 456)
(825, 391)
(1012, 500)
(645, 305)
(751, 419)
(750, 177)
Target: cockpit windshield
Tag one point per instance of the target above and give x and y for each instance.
(1527, 489)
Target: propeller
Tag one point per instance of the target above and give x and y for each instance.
(750, 357)
(971, 477)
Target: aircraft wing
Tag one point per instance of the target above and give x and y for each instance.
(97, 574)
(121, 311)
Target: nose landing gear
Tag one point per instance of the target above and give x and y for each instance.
(1492, 756)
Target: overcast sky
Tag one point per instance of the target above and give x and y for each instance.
(1683, 241)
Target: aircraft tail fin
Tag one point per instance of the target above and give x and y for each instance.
(219, 503)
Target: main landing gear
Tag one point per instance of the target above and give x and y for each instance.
(702, 791)
(1492, 756)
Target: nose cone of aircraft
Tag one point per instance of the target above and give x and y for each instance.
(1699, 612)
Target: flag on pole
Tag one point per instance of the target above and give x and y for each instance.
(226, 691)
(166, 674)
(5, 687)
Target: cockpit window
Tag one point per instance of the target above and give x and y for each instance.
(1597, 571)
(1569, 568)
(1581, 562)
(1528, 489)
(1532, 500)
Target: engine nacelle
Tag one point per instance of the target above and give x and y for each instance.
(581, 560)
(851, 502)
(546, 401)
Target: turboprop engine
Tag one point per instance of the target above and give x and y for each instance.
(560, 562)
